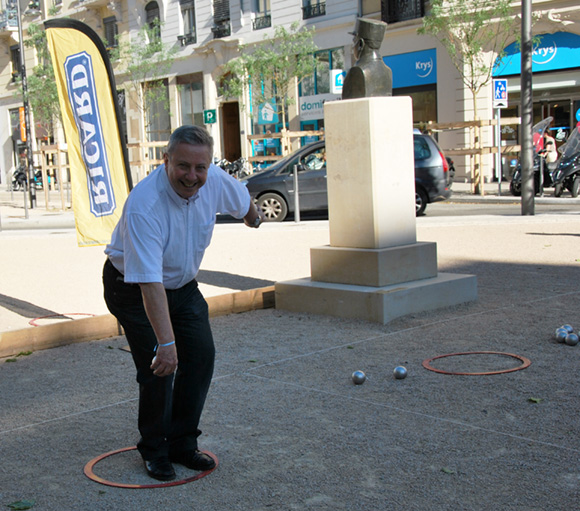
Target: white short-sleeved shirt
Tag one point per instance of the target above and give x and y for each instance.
(162, 237)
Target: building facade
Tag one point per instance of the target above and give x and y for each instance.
(206, 34)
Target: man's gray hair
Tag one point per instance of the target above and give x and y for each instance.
(193, 135)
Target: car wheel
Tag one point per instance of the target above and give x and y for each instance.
(421, 200)
(575, 188)
(273, 206)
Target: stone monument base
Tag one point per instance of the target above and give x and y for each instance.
(377, 304)
(374, 269)
(374, 266)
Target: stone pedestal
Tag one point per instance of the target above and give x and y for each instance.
(374, 269)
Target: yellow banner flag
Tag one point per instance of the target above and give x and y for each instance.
(99, 163)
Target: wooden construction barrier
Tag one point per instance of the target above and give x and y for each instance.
(54, 164)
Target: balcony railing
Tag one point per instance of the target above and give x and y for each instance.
(187, 39)
(223, 29)
(401, 10)
(313, 10)
(92, 3)
(264, 21)
(8, 19)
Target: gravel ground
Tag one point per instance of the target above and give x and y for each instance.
(290, 429)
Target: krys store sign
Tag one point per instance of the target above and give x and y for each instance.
(412, 69)
(552, 52)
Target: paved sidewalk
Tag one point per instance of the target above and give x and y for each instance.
(290, 429)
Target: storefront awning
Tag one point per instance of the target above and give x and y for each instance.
(553, 52)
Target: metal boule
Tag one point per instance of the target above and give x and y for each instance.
(561, 334)
(358, 377)
(571, 339)
(400, 372)
(568, 328)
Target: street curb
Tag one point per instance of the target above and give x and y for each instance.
(509, 199)
(44, 337)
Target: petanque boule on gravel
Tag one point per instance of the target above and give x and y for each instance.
(358, 377)
(571, 339)
(568, 328)
(400, 373)
(561, 334)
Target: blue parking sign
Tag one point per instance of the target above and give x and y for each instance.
(500, 95)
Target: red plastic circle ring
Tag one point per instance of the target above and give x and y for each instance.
(88, 470)
(525, 363)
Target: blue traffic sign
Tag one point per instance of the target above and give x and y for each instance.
(500, 95)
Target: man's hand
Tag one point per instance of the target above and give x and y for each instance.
(165, 361)
(254, 217)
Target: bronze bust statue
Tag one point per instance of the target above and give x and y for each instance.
(369, 77)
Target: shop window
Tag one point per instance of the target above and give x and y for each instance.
(323, 73)
(191, 99)
(188, 17)
(424, 99)
(111, 31)
(15, 61)
(221, 19)
(371, 6)
(15, 125)
(313, 8)
(319, 82)
(402, 10)
(158, 123)
(262, 17)
(152, 19)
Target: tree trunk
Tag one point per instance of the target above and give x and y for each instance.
(477, 181)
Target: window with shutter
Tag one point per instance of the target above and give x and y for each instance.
(188, 17)
(111, 31)
(152, 18)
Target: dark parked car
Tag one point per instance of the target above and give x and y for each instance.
(273, 188)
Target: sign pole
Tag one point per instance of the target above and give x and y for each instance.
(498, 165)
(296, 196)
(500, 100)
(29, 155)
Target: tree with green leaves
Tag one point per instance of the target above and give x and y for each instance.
(142, 64)
(41, 85)
(267, 71)
(474, 33)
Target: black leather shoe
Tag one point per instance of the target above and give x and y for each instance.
(160, 469)
(195, 460)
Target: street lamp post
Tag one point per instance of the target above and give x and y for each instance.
(527, 157)
(29, 157)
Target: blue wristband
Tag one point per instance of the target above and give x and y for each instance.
(163, 345)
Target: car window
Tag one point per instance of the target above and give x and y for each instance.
(288, 169)
(422, 151)
(316, 160)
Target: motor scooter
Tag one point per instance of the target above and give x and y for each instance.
(567, 173)
(238, 168)
(19, 179)
(541, 179)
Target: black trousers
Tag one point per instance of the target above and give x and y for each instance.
(170, 407)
